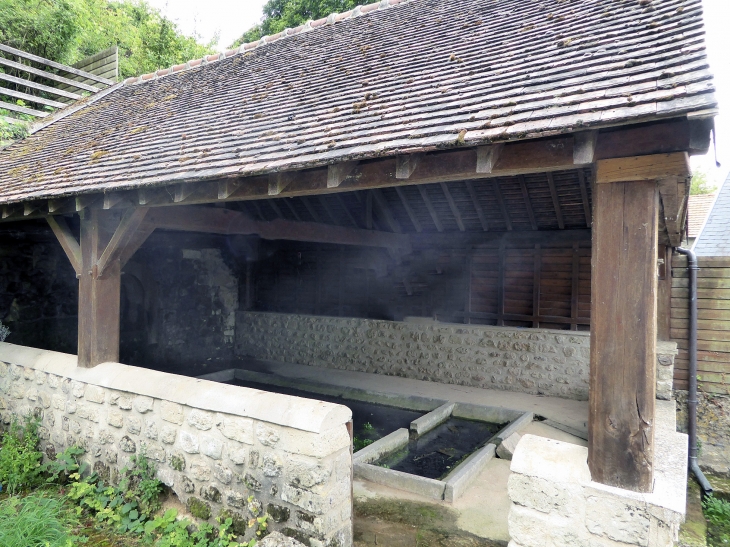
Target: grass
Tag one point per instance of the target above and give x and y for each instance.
(37, 520)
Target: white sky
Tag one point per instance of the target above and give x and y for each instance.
(231, 18)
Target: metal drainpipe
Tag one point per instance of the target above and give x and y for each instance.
(692, 394)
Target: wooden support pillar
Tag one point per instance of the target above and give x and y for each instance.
(623, 321)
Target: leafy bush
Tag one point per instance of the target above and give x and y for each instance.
(20, 459)
(717, 513)
(35, 521)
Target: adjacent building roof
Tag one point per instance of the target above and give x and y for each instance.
(380, 80)
(715, 237)
(697, 210)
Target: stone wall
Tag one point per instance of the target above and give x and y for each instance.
(548, 362)
(713, 429)
(218, 447)
(555, 503)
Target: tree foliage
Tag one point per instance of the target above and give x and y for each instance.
(700, 184)
(66, 31)
(281, 14)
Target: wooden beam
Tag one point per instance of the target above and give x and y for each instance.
(9, 210)
(536, 282)
(85, 201)
(654, 167)
(29, 207)
(182, 191)
(528, 203)
(111, 199)
(278, 182)
(623, 335)
(500, 283)
(135, 242)
(671, 203)
(53, 64)
(405, 165)
(487, 157)
(556, 201)
(575, 283)
(214, 220)
(227, 187)
(328, 210)
(369, 210)
(431, 210)
(502, 206)
(584, 147)
(277, 210)
(584, 197)
(337, 173)
(126, 230)
(60, 205)
(292, 209)
(409, 209)
(452, 206)
(477, 206)
(67, 240)
(39, 87)
(384, 212)
(48, 76)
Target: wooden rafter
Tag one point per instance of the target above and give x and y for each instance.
(556, 201)
(277, 210)
(502, 205)
(337, 173)
(528, 203)
(124, 233)
(384, 212)
(328, 210)
(431, 210)
(477, 206)
(292, 209)
(452, 206)
(311, 210)
(67, 240)
(369, 210)
(346, 209)
(409, 209)
(584, 198)
(405, 165)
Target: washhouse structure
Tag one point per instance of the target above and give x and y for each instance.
(474, 192)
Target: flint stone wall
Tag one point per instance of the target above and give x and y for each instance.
(555, 503)
(713, 429)
(537, 361)
(218, 447)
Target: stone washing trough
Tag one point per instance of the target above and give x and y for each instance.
(455, 440)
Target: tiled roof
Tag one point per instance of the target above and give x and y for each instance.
(715, 237)
(421, 75)
(697, 211)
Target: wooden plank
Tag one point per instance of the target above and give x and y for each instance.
(431, 211)
(501, 284)
(536, 275)
(702, 294)
(226, 188)
(369, 210)
(716, 315)
(182, 192)
(705, 335)
(405, 165)
(706, 345)
(487, 157)
(452, 206)
(641, 140)
(703, 282)
(623, 335)
(574, 288)
(278, 182)
(345, 208)
(53, 64)
(30, 98)
(654, 167)
(556, 201)
(664, 293)
(672, 203)
(704, 273)
(337, 173)
(384, 211)
(584, 198)
(311, 210)
(22, 109)
(702, 304)
(584, 147)
(124, 233)
(502, 206)
(292, 209)
(47, 75)
(277, 210)
(477, 206)
(67, 240)
(39, 87)
(409, 209)
(528, 204)
(328, 210)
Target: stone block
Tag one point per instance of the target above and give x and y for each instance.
(115, 419)
(268, 436)
(126, 444)
(211, 447)
(200, 472)
(150, 429)
(171, 412)
(77, 389)
(168, 434)
(189, 443)
(236, 429)
(134, 425)
(306, 474)
(94, 394)
(142, 404)
(237, 455)
(507, 447)
(201, 420)
(277, 539)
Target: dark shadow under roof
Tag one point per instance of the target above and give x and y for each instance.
(422, 75)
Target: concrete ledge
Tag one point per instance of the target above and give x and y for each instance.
(295, 412)
(432, 419)
(514, 427)
(485, 413)
(385, 445)
(422, 486)
(461, 477)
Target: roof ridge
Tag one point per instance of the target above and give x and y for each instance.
(330, 19)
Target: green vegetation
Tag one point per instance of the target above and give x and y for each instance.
(66, 31)
(717, 513)
(700, 184)
(281, 14)
(58, 504)
(359, 444)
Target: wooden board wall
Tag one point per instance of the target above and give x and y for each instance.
(525, 285)
(713, 313)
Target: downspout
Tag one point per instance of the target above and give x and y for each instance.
(692, 394)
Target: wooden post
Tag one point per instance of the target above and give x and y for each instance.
(623, 321)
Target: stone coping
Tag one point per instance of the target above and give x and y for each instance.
(285, 410)
(431, 324)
